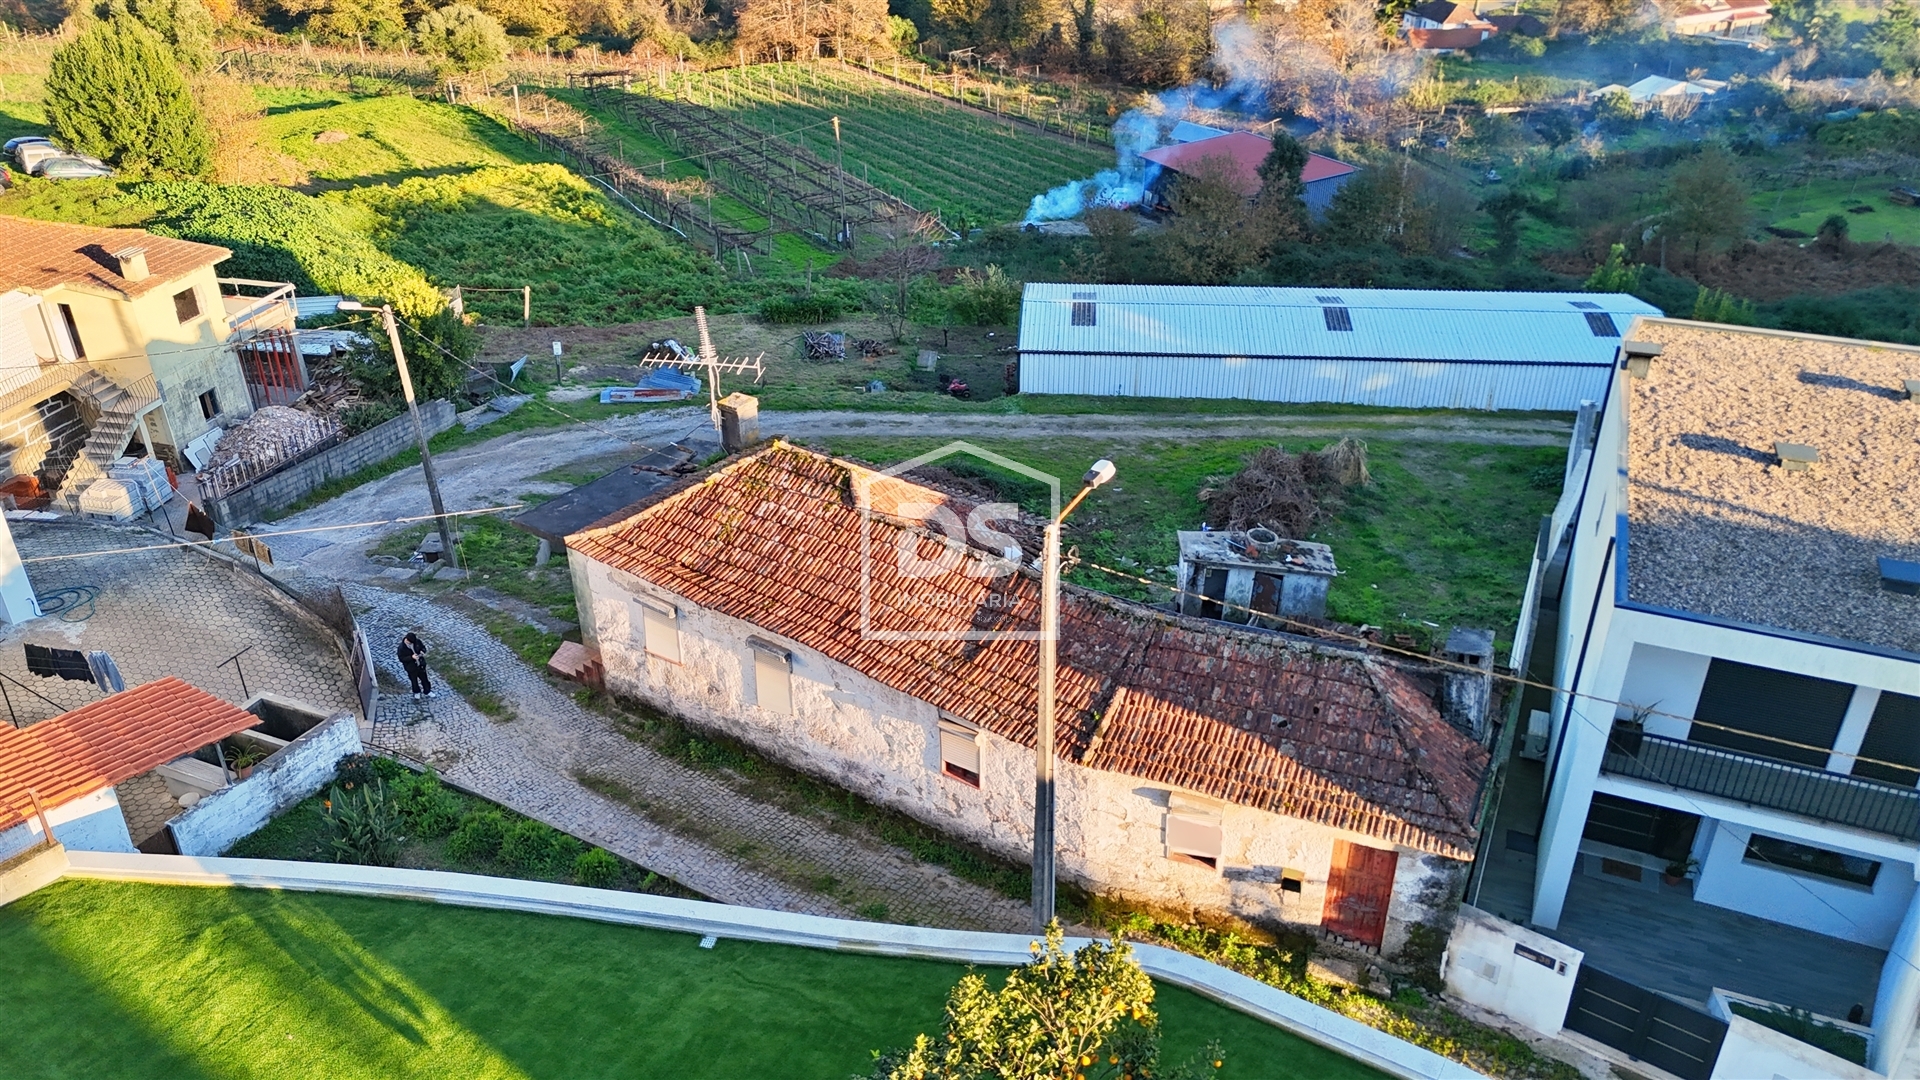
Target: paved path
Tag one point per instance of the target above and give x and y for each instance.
(725, 844)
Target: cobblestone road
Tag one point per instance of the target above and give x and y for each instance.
(725, 844)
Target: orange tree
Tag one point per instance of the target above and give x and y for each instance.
(1084, 1016)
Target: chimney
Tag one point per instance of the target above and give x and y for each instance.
(739, 421)
(133, 263)
(1795, 457)
(1913, 389)
(1639, 356)
(1466, 696)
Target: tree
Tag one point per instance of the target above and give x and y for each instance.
(184, 25)
(796, 28)
(466, 37)
(1283, 195)
(380, 23)
(1895, 39)
(1213, 234)
(1706, 201)
(438, 347)
(1085, 1015)
(1616, 275)
(1506, 210)
(114, 92)
(1112, 232)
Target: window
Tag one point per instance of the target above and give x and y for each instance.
(960, 750)
(1193, 830)
(209, 404)
(1819, 862)
(1764, 701)
(1338, 318)
(660, 630)
(1893, 736)
(772, 675)
(1084, 311)
(73, 332)
(186, 305)
(1601, 324)
(1291, 881)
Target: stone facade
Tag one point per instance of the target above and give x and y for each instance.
(885, 745)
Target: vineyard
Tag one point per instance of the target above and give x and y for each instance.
(970, 165)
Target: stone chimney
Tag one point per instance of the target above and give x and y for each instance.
(133, 263)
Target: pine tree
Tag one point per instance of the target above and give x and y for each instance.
(116, 93)
(185, 25)
(1895, 39)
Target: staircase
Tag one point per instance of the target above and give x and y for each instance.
(119, 410)
(579, 663)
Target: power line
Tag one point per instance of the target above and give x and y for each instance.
(230, 343)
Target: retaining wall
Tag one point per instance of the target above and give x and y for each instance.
(1311, 1022)
(370, 447)
(292, 773)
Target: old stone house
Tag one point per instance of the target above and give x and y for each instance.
(117, 340)
(1204, 767)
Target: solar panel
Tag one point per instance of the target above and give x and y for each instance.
(1601, 324)
(1084, 313)
(1338, 318)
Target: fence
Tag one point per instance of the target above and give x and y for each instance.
(268, 456)
(288, 482)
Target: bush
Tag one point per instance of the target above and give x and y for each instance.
(596, 868)
(366, 830)
(989, 299)
(479, 836)
(528, 846)
(469, 39)
(114, 92)
(429, 808)
(368, 415)
(801, 308)
(362, 770)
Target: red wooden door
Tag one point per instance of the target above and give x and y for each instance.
(1359, 888)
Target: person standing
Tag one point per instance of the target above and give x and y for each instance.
(413, 657)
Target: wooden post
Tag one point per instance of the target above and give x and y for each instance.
(46, 830)
(526, 304)
(516, 103)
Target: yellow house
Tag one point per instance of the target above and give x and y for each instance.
(117, 341)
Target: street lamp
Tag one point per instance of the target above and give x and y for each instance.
(419, 428)
(1043, 845)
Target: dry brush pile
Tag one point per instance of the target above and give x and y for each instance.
(1288, 493)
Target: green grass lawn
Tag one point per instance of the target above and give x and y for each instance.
(389, 137)
(1443, 535)
(130, 980)
(1804, 206)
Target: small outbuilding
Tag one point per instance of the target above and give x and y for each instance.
(1397, 348)
(1237, 155)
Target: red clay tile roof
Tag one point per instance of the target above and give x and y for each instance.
(118, 737)
(41, 255)
(1459, 38)
(1315, 732)
(1240, 153)
(1446, 13)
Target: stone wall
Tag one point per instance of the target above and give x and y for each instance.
(299, 769)
(366, 449)
(884, 745)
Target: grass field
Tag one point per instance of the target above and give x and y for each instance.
(130, 981)
(388, 138)
(1804, 206)
(931, 153)
(1442, 536)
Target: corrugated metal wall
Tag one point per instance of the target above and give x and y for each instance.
(1388, 383)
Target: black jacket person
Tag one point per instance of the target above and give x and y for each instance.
(413, 657)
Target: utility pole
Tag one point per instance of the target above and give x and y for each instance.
(1044, 879)
(447, 554)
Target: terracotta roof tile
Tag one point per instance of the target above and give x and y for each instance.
(41, 255)
(118, 737)
(1319, 733)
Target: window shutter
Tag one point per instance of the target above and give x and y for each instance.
(1193, 829)
(660, 630)
(959, 751)
(773, 676)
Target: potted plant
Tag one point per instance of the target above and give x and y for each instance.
(1679, 870)
(245, 757)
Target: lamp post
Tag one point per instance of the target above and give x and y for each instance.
(1043, 842)
(419, 429)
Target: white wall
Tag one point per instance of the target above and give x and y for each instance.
(1870, 917)
(1668, 680)
(884, 745)
(301, 768)
(89, 823)
(1755, 1050)
(1484, 967)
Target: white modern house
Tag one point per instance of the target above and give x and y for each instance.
(1397, 348)
(1738, 645)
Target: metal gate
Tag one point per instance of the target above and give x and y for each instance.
(1682, 1040)
(274, 370)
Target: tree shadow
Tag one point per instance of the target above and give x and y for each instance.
(1717, 444)
(300, 107)
(1841, 382)
(315, 187)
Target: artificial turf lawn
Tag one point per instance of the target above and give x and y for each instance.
(129, 980)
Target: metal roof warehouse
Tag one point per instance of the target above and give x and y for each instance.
(1402, 348)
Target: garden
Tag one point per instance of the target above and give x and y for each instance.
(134, 980)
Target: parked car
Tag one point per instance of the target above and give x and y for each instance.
(73, 167)
(19, 140)
(29, 155)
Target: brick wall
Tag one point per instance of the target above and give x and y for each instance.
(299, 769)
(363, 450)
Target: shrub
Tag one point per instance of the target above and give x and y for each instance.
(596, 868)
(1718, 305)
(479, 836)
(368, 415)
(115, 93)
(1617, 274)
(366, 830)
(801, 308)
(362, 770)
(429, 808)
(528, 846)
(989, 299)
(469, 39)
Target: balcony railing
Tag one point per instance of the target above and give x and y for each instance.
(248, 301)
(1776, 785)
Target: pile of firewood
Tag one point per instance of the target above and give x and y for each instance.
(822, 345)
(868, 347)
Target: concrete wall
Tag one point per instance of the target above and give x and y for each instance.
(884, 745)
(89, 823)
(1753, 1049)
(1834, 908)
(303, 767)
(363, 450)
(1484, 966)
